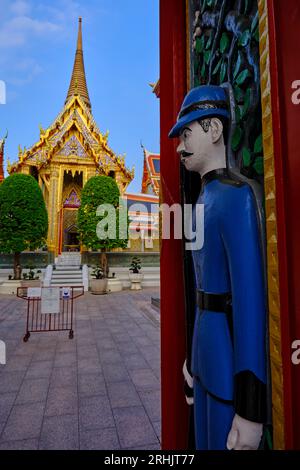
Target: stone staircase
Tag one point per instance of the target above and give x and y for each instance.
(67, 272)
(70, 276)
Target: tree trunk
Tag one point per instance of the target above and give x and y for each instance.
(104, 263)
(17, 266)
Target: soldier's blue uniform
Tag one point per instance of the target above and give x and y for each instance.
(228, 348)
(228, 351)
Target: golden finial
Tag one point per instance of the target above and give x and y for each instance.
(42, 131)
(78, 73)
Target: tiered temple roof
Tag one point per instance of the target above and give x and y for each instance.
(74, 133)
(151, 173)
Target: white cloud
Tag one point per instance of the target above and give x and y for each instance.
(20, 8)
(16, 31)
(24, 71)
(27, 23)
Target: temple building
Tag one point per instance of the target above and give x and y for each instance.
(68, 154)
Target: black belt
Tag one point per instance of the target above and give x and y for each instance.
(214, 302)
(220, 303)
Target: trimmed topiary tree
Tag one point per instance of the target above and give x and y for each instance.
(100, 230)
(23, 217)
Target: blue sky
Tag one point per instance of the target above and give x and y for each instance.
(121, 51)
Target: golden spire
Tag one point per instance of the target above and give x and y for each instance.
(78, 84)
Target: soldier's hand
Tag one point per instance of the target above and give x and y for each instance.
(244, 434)
(188, 385)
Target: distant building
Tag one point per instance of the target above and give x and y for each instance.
(143, 208)
(151, 173)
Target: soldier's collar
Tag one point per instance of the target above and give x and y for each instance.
(213, 175)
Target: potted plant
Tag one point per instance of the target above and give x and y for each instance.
(98, 281)
(31, 278)
(135, 275)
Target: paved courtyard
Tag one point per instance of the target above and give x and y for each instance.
(100, 390)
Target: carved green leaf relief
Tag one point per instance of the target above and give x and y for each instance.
(225, 48)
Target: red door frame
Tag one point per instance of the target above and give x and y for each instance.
(284, 25)
(173, 85)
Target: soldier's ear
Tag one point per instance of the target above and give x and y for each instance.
(216, 130)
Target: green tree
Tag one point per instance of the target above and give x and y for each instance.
(98, 192)
(23, 217)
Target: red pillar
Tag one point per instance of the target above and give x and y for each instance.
(172, 90)
(284, 26)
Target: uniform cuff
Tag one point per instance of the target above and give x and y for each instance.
(250, 397)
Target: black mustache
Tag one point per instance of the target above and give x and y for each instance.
(184, 154)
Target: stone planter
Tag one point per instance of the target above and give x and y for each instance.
(98, 286)
(9, 287)
(114, 284)
(136, 280)
(31, 283)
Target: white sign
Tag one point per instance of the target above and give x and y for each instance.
(2, 353)
(34, 292)
(148, 243)
(50, 300)
(66, 292)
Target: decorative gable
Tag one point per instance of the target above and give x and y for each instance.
(72, 200)
(73, 148)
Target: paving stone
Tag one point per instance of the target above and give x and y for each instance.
(123, 394)
(115, 373)
(61, 401)
(32, 391)
(87, 352)
(135, 361)
(99, 439)
(17, 363)
(65, 360)
(60, 433)
(95, 413)
(10, 381)
(157, 428)
(134, 427)
(64, 377)
(105, 343)
(24, 422)
(27, 444)
(143, 341)
(2, 425)
(110, 356)
(91, 385)
(144, 379)
(152, 403)
(66, 346)
(39, 370)
(47, 354)
(88, 365)
(6, 403)
(128, 348)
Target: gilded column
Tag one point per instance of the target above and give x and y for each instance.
(53, 212)
(271, 224)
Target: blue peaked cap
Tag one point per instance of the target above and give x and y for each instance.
(201, 103)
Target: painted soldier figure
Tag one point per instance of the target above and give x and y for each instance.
(228, 368)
